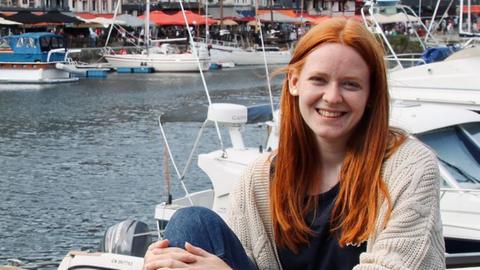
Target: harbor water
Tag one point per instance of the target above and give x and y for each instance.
(76, 158)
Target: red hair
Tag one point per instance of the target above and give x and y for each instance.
(361, 185)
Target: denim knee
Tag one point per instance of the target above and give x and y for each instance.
(192, 224)
(192, 215)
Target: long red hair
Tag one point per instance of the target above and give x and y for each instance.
(361, 185)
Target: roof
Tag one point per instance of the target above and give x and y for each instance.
(38, 17)
(417, 118)
(37, 35)
(7, 22)
(162, 18)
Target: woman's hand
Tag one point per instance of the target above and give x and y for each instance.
(160, 256)
(205, 260)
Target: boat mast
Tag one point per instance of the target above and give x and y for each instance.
(221, 14)
(113, 22)
(146, 35)
(206, 22)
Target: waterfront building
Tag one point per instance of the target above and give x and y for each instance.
(93, 6)
(34, 4)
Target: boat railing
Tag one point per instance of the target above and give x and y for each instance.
(368, 12)
(474, 192)
(407, 59)
(53, 51)
(67, 58)
(444, 191)
(462, 260)
(218, 42)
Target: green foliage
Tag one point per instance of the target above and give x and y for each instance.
(405, 44)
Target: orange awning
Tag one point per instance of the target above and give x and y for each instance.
(160, 18)
(473, 8)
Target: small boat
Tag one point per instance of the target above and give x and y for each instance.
(33, 58)
(228, 52)
(166, 58)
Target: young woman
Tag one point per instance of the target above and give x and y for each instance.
(343, 190)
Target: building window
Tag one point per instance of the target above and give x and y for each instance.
(94, 5)
(84, 6)
(73, 3)
(105, 5)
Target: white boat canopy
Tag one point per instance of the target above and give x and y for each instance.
(8, 22)
(130, 20)
(394, 18)
(279, 17)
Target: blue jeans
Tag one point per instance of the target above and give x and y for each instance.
(203, 228)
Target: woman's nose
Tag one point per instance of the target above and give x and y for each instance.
(332, 94)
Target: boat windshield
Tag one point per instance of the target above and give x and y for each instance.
(51, 42)
(458, 149)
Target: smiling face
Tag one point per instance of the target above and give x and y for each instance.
(333, 88)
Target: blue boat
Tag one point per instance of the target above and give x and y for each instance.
(32, 58)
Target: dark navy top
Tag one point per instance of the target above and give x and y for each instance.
(323, 252)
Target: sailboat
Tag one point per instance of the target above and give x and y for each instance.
(163, 58)
(225, 52)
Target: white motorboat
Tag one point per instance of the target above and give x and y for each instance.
(452, 81)
(455, 137)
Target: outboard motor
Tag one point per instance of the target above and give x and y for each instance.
(129, 237)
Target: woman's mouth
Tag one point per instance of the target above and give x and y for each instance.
(330, 114)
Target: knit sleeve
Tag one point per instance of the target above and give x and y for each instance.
(412, 238)
(236, 215)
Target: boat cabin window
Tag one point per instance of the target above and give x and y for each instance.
(458, 149)
(4, 45)
(49, 43)
(268, 49)
(25, 42)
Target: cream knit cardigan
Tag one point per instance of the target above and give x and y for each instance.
(412, 238)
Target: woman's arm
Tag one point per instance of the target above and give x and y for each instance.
(236, 216)
(412, 237)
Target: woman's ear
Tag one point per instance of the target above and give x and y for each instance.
(292, 83)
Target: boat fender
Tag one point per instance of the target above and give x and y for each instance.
(129, 237)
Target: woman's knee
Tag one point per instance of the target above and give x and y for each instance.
(194, 216)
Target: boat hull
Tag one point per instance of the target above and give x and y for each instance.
(249, 58)
(33, 73)
(160, 62)
(454, 82)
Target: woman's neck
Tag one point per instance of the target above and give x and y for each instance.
(331, 161)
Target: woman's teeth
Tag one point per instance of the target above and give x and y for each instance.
(329, 113)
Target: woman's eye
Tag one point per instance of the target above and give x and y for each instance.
(318, 80)
(351, 85)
